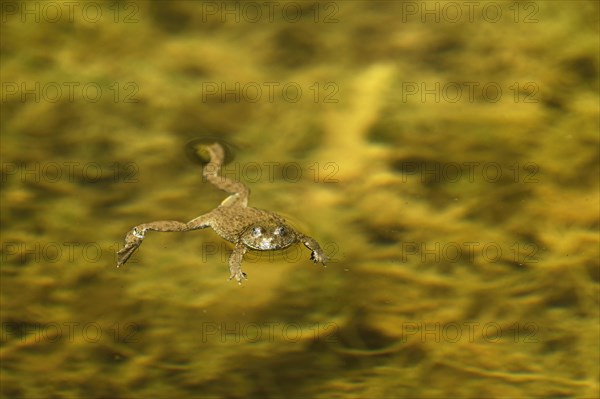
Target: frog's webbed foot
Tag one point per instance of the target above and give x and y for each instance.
(133, 240)
(135, 236)
(317, 254)
(235, 263)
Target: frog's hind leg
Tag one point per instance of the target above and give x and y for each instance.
(135, 236)
(239, 191)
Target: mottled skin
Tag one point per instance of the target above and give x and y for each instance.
(234, 220)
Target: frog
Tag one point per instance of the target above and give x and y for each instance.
(246, 227)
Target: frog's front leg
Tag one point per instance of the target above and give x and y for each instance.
(235, 263)
(317, 254)
(135, 236)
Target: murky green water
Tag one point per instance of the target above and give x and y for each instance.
(445, 154)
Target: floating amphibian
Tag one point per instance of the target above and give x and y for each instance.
(233, 219)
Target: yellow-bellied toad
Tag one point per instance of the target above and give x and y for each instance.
(234, 220)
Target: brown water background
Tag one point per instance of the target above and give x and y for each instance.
(445, 154)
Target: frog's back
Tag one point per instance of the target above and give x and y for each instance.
(231, 222)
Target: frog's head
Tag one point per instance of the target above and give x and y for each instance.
(268, 235)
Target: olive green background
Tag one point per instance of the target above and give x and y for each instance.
(463, 230)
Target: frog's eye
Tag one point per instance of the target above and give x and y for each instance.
(279, 231)
(256, 231)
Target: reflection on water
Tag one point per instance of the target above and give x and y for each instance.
(429, 157)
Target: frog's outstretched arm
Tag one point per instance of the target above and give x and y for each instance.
(235, 263)
(239, 191)
(317, 254)
(136, 235)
